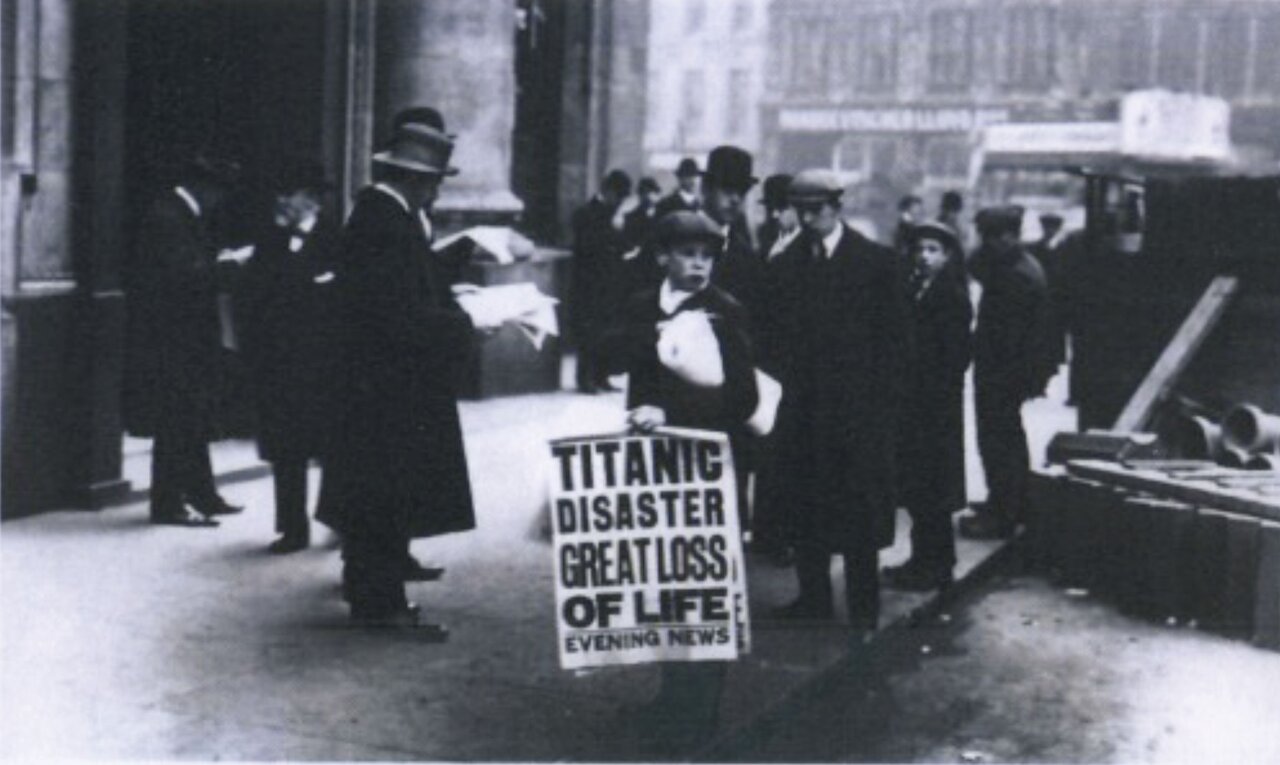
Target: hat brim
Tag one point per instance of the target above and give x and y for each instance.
(386, 158)
(939, 232)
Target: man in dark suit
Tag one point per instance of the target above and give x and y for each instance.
(780, 222)
(685, 196)
(835, 330)
(398, 469)
(175, 342)
(725, 184)
(1011, 365)
(285, 306)
(598, 278)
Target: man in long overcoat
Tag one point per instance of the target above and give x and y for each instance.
(931, 453)
(686, 194)
(598, 278)
(1011, 365)
(835, 330)
(175, 356)
(398, 469)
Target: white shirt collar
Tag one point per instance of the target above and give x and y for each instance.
(783, 242)
(391, 192)
(670, 299)
(426, 223)
(832, 240)
(189, 199)
(689, 199)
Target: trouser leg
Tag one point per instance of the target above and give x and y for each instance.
(862, 587)
(933, 542)
(373, 551)
(1002, 442)
(166, 488)
(291, 498)
(813, 572)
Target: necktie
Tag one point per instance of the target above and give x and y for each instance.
(819, 250)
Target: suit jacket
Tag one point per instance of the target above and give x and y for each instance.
(285, 307)
(598, 283)
(932, 446)
(402, 340)
(1012, 356)
(740, 271)
(174, 353)
(835, 334)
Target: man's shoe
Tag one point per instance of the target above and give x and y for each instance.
(216, 506)
(408, 619)
(183, 517)
(801, 610)
(915, 578)
(416, 572)
(286, 545)
(986, 526)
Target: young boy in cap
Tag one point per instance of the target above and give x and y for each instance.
(666, 393)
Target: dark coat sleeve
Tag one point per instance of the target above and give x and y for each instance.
(740, 395)
(383, 299)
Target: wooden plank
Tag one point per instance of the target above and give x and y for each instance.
(1177, 354)
(1254, 504)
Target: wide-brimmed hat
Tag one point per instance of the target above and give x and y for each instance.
(938, 230)
(729, 167)
(775, 191)
(687, 167)
(419, 148)
(687, 226)
(815, 185)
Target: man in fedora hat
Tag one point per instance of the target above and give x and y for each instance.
(780, 222)
(835, 329)
(175, 356)
(1011, 365)
(685, 196)
(398, 470)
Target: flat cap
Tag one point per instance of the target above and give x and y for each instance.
(1005, 219)
(687, 226)
(815, 185)
(938, 231)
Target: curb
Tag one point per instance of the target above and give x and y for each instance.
(722, 747)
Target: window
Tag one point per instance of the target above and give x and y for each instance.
(950, 56)
(740, 102)
(742, 15)
(1267, 66)
(1029, 53)
(694, 115)
(1227, 57)
(878, 64)
(695, 15)
(807, 57)
(947, 158)
(1178, 51)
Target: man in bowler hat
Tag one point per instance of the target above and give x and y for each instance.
(175, 356)
(398, 470)
(686, 195)
(780, 222)
(1011, 365)
(725, 185)
(835, 332)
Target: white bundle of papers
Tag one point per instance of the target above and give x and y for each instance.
(519, 304)
(496, 243)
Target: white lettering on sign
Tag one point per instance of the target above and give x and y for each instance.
(889, 119)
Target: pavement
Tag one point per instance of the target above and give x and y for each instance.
(120, 640)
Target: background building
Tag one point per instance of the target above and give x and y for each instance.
(890, 92)
(705, 77)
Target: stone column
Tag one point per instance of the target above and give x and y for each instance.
(458, 56)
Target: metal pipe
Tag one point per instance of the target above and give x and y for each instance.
(1249, 428)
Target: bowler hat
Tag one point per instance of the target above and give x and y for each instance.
(419, 148)
(688, 226)
(815, 185)
(1006, 219)
(687, 167)
(421, 115)
(938, 230)
(729, 167)
(775, 191)
(648, 184)
(1051, 219)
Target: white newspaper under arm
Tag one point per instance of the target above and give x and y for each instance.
(765, 416)
(648, 553)
(687, 345)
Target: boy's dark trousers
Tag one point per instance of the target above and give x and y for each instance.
(861, 578)
(291, 499)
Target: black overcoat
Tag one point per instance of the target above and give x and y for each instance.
(1012, 356)
(285, 311)
(402, 340)
(598, 283)
(739, 269)
(931, 456)
(835, 335)
(174, 366)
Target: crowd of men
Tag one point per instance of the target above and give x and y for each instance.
(870, 343)
(352, 337)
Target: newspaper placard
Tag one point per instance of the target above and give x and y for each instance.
(648, 553)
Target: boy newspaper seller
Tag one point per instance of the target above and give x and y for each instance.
(685, 348)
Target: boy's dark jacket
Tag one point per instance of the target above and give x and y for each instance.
(725, 409)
